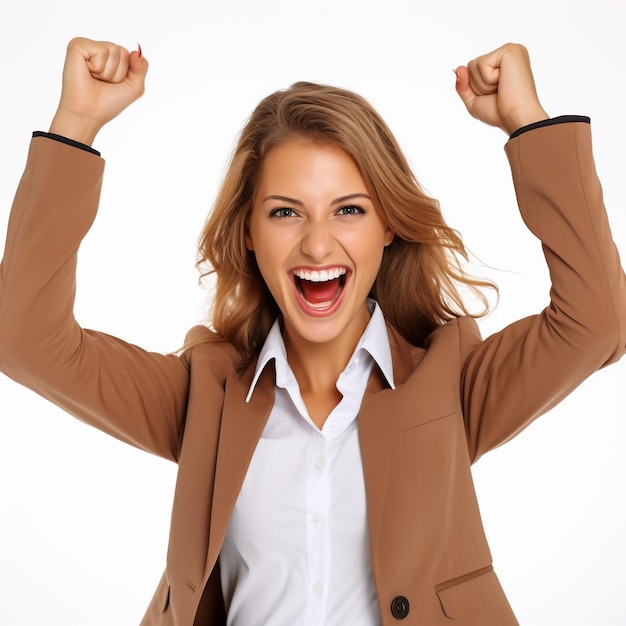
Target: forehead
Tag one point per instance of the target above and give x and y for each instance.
(310, 164)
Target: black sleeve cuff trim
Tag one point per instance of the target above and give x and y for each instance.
(562, 119)
(69, 142)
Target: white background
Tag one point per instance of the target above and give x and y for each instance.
(84, 519)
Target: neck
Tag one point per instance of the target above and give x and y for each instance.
(317, 366)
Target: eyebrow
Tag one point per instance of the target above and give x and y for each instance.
(340, 200)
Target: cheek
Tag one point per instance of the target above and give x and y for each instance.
(372, 260)
(267, 261)
(369, 246)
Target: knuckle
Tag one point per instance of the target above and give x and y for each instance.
(519, 49)
(75, 42)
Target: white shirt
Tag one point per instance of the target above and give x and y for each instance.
(297, 547)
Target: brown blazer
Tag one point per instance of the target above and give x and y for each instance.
(457, 397)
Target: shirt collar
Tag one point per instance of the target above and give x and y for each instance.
(374, 340)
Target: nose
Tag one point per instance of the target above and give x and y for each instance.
(317, 241)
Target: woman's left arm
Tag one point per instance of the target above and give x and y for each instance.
(519, 373)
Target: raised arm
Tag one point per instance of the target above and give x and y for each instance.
(137, 396)
(521, 372)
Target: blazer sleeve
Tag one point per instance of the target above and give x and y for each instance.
(134, 395)
(521, 372)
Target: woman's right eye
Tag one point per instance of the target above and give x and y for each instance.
(282, 212)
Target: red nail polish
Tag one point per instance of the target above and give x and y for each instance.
(139, 50)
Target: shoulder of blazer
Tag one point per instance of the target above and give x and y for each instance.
(213, 351)
(202, 345)
(458, 338)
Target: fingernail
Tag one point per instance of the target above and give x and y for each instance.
(139, 50)
(456, 74)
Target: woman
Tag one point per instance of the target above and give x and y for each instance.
(324, 432)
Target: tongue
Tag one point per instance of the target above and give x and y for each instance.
(315, 293)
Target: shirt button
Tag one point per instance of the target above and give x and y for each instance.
(333, 427)
(317, 587)
(318, 464)
(315, 521)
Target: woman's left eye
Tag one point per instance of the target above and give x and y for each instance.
(351, 209)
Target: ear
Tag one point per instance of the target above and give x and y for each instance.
(248, 240)
(247, 236)
(389, 236)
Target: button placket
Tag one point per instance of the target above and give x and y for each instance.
(317, 499)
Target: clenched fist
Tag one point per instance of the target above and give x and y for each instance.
(100, 79)
(498, 88)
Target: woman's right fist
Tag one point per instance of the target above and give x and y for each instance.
(100, 79)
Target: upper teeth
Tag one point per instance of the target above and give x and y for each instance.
(321, 276)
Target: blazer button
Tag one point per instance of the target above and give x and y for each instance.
(400, 607)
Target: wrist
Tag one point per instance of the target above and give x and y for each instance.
(77, 128)
(524, 117)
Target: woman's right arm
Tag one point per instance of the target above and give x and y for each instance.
(136, 396)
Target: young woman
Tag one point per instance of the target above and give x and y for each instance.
(325, 427)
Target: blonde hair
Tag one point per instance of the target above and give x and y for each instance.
(417, 284)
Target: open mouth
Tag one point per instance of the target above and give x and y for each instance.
(320, 289)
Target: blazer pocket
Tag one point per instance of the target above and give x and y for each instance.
(466, 594)
(422, 418)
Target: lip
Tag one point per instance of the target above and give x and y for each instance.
(302, 302)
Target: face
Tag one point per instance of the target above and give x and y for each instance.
(318, 240)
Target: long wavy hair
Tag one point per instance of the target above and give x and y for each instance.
(418, 283)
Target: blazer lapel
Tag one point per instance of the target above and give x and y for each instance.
(242, 425)
(378, 413)
(376, 441)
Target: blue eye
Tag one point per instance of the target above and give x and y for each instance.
(282, 212)
(350, 209)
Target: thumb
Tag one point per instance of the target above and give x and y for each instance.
(462, 86)
(137, 70)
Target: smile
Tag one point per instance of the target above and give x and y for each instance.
(319, 290)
